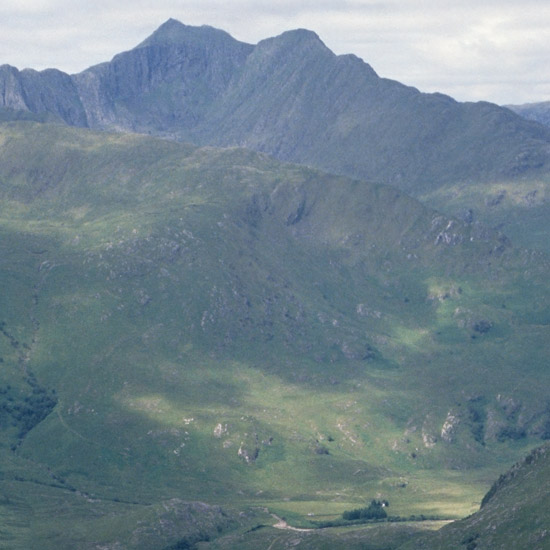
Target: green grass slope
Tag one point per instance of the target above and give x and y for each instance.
(513, 514)
(183, 324)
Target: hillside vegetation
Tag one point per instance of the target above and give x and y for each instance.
(183, 324)
(291, 97)
(513, 514)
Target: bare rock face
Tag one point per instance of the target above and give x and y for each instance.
(448, 430)
(11, 89)
(165, 84)
(248, 454)
(50, 91)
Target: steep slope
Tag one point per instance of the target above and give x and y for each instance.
(50, 91)
(513, 514)
(203, 324)
(292, 97)
(167, 82)
(334, 112)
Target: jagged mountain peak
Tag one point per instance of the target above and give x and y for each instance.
(296, 40)
(299, 35)
(175, 32)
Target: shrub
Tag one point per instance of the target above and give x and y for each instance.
(375, 510)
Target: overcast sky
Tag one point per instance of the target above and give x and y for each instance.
(495, 50)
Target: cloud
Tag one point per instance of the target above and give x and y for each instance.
(489, 49)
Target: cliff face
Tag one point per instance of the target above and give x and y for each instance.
(50, 91)
(164, 85)
(11, 92)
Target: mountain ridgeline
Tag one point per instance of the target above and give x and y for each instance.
(289, 96)
(539, 112)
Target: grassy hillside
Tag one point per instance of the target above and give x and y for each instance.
(183, 324)
(513, 514)
(517, 207)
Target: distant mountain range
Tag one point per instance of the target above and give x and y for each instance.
(539, 112)
(291, 97)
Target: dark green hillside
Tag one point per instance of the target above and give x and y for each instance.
(513, 514)
(211, 325)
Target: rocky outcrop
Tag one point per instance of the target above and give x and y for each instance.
(50, 91)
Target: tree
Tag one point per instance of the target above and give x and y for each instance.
(375, 510)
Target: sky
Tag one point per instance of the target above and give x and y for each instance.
(472, 50)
